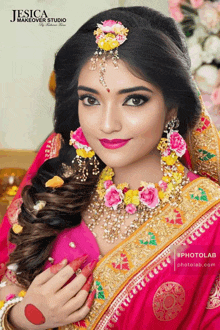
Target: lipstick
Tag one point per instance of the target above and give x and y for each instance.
(113, 144)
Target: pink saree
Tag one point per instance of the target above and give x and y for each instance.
(144, 283)
(166, 275)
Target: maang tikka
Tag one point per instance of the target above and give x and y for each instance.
(109, 36)
(83, 152)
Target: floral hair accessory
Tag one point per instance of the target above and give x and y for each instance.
(55, 182)
(17, 229)
(83, 152)
(109, 36)
(39, 205)
(78, 140)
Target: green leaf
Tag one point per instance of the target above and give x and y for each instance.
(206, 155)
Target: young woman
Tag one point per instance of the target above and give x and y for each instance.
(116, 213)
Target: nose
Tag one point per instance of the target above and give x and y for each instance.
(110, 120)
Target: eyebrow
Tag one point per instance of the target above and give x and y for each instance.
(122, 91)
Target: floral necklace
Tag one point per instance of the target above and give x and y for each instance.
(111, 205)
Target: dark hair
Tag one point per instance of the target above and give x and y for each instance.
(156, 51)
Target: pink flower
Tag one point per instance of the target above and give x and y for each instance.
(108, 183)
(113, 197)
(197, 3)
(107, 26)
(131, 208)
(149, 196)
(110, 23)
(121, 38)
(215, 97)
(176, 13)
(166, 152)
(10, 296)
(100, 36)
(162, 185)
(177, 143)
(209, 16)
(79, 137)
(175, 3)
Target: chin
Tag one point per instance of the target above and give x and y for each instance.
(116, 161)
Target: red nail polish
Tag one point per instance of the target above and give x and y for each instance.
(75, 264)
(87, 270)
(88, 283)
(91, 298)
(55, 268)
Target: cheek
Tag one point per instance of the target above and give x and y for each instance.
(147, 126)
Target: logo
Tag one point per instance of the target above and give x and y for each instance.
(36, 16)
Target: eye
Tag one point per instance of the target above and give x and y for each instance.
(88, 100)
(135, 100)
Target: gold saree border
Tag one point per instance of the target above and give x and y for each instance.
(204, 145)
(141, 279)
(53, 147)
(121, 264)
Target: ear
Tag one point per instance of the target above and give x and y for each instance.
(172, 113)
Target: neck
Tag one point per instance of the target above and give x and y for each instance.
(147, 169)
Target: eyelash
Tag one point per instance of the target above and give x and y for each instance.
(136, 96)
(128, 98)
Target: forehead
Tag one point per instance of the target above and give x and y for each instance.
(115, 78)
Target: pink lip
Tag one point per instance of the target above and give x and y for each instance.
(113, 144)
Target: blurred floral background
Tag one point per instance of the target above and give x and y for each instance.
(200, 22)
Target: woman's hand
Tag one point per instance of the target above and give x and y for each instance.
(49, 304)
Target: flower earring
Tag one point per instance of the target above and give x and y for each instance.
(83, 152)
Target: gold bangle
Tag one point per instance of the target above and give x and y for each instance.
(5, 323)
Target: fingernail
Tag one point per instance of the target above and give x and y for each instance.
(87, 270)
(75, 264)
(91, 298)
(55, 268)
(88, 283)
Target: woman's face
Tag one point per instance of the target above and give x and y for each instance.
(125, 125)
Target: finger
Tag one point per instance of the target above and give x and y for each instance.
(80, 298)
(46, 275)
(71, 289)
(81, 313)
(58, 281)
(67, 292)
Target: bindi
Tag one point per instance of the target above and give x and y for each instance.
(34, 315)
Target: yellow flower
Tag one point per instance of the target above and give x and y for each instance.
(109, 36)
(143, 184)
(166, 179)
(171, 159)
(132, 197)
(108, 44)
(177, 177)
(170, 186)
(85, 154)
(161, 194)
(55, 182)
(17, 229)
(122, 185)
(2, 302)
(180, 167)
(22, 293)
(97, 32)
(162, 144)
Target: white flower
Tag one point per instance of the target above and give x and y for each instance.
(206, 77)
(195, 53)
(200, 33)
(13, 267)
(209, 17)
(211, 49)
